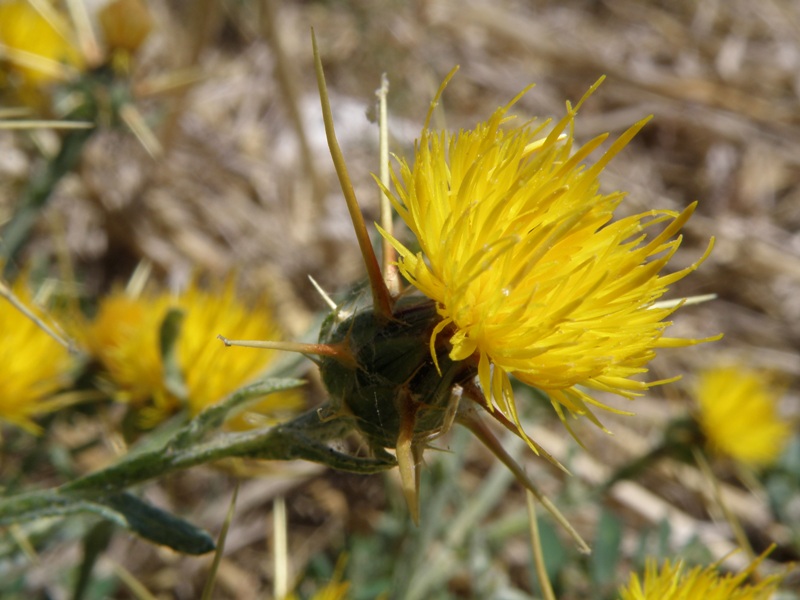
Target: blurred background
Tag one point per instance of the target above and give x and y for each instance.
(238, 179)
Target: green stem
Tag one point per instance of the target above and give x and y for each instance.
(37, 193)
(303, 438)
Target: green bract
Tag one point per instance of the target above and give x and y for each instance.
(395, 378)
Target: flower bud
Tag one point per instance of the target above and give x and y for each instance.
(126, 24)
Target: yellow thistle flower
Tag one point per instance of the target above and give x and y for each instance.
(526, 273)
(38, 49)
(672, 582)
(738, 415)
(124, 338)
(531, 274)
(33, 366)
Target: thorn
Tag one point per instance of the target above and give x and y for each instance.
(325, 297)
(84, 32)
(138, 280)
(474, 393)
(381, 298)
(38, 124)
(683, 301)
(339, 352)
(408, 475)
(10, 297)
(470, 419)
(131, 116)
(407, 453)
(388, 253)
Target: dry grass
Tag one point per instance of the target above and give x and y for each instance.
(234, 190)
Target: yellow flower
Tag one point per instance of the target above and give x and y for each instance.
(125, 339)
(672, 582)
(531, 274)
(33, 366)
(738, 415)
(37, 48)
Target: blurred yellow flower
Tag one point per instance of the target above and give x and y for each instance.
(33, 366)
(531, 274)
(738, 415)
(125, 339)
(672, 582)
(37, 48)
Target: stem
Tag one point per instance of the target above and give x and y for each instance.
(302, 438)
(208, 588)
(280, 548)
(37, 193)
(536, 545)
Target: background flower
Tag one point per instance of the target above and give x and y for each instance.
(33, 366)
(37, 49)
(738, 413)
(673, 582)
(125, 339)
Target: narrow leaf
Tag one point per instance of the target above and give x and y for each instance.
(607, 547)
(159, 526)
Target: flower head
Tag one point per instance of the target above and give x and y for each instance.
(37, 48)
(672, 582)
(125, 339)
(738, 415)
(33, 366)
(531, 274)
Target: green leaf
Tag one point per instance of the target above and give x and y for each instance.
(305, 437)
(124, 509)
(555, 554)
(159, 526)
(168, 337)
(606, 551)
